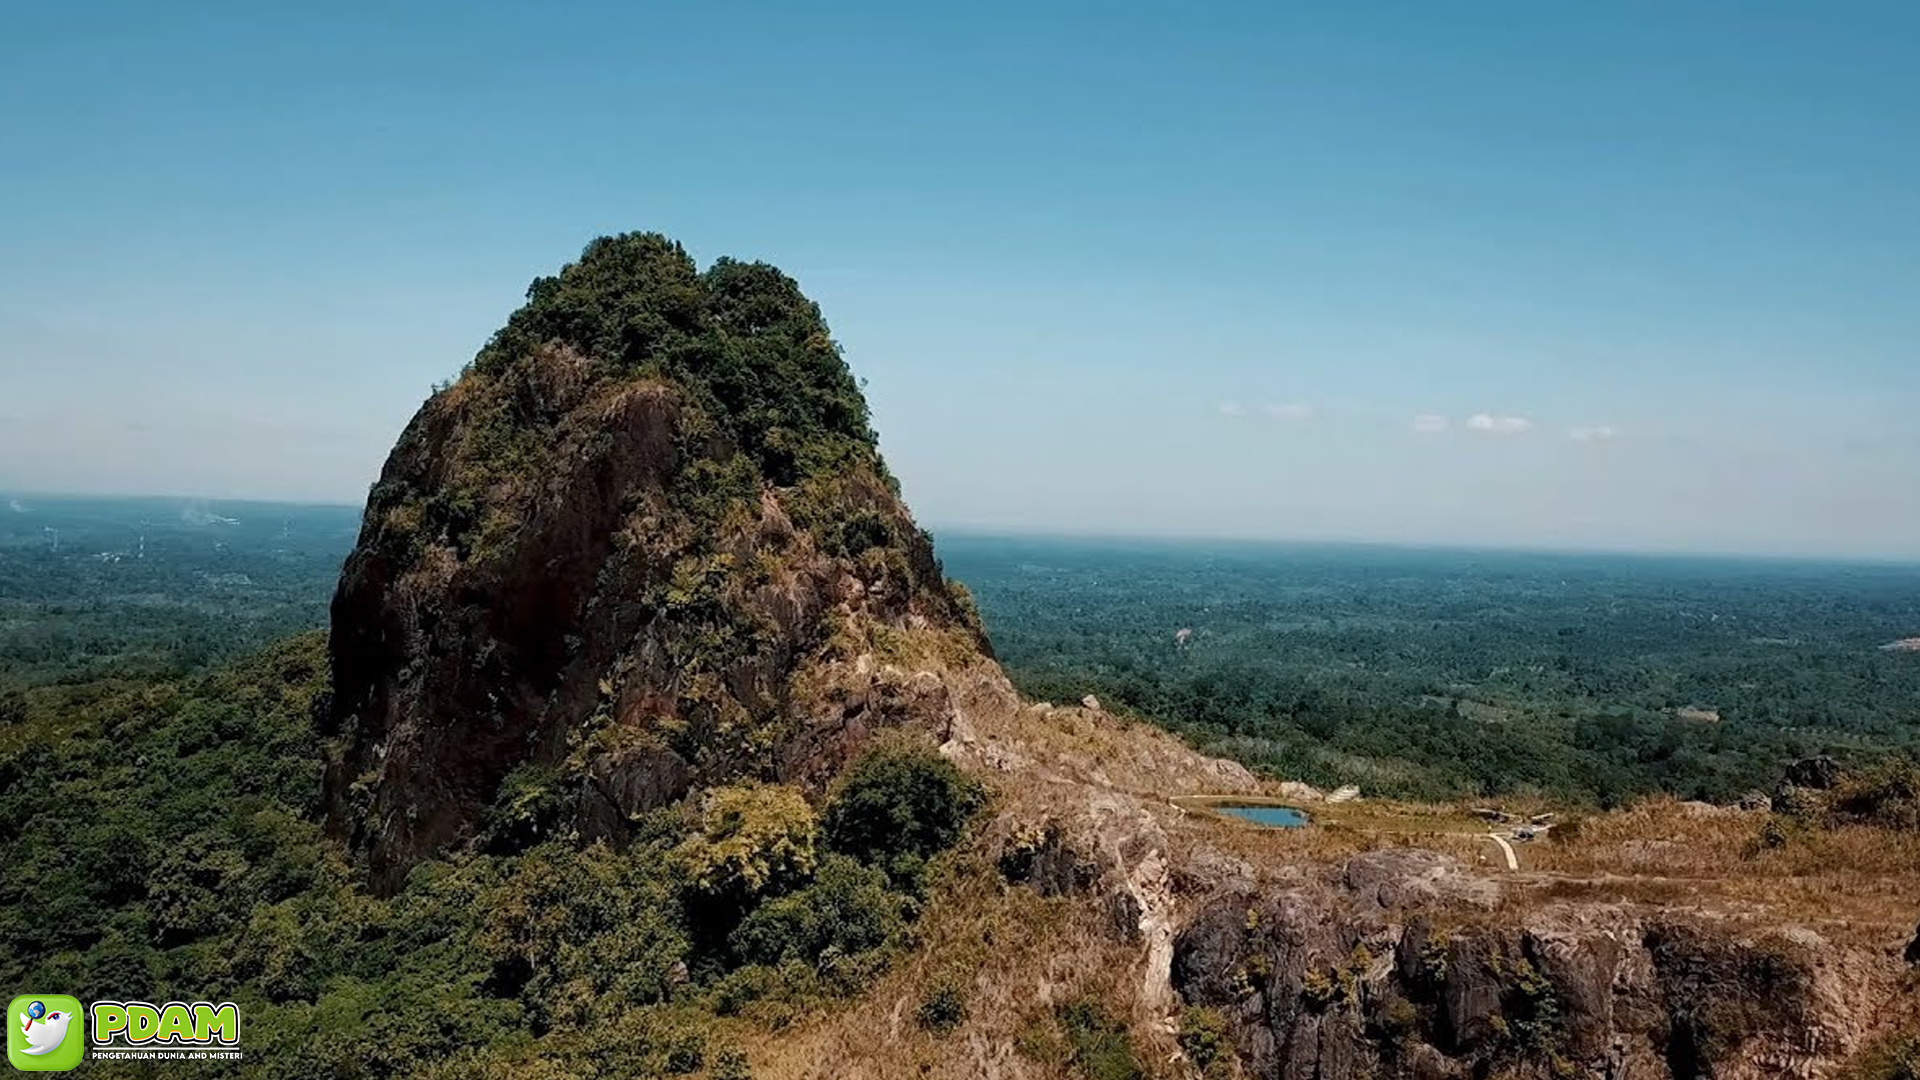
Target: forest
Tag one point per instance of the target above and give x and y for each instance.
(1420, 673)
(1455, 674)
(160, 758)
(133, 589)
(162, 665)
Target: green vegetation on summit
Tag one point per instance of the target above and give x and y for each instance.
(752, 352)
(763, 395)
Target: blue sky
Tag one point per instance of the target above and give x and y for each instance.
(1106, 268)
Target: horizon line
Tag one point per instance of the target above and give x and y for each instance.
(1122, 535)
(1491, 546)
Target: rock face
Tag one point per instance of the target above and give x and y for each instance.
(1818, 773)
(1397, 968)
(637, 546)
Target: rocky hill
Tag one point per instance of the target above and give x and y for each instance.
(646, 545)
(617, 558)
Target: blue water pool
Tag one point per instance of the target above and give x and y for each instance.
(1278, 817)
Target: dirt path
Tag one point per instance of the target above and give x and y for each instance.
(1513, 861)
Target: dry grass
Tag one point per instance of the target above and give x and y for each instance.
(1018, 956)
(1339, 830)
(1853, 883)
(1015, 956)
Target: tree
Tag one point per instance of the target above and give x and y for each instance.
(899, 805)
(755, 841)
(846, 911)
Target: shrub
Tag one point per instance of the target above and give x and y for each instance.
(1101, 1050)
(1040, 1040)
(899, 805)
(1886, 795)
(1319, 987)
(1532, 1005)
(582, 934)
(847, 910)
(1773, 835)
(943, 1007)
(527, 809)
(1400, 1019)
(1205, 1040)
(730, 1063)
(859, 533)
(754, 841)
(1568, 829)
(964, 603)
(686, 1050)
(766, 993)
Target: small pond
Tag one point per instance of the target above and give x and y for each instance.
(1277, 817)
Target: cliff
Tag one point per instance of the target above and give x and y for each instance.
(615, 559)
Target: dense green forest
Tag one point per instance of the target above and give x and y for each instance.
(1446, 674)
(167, 846)
(136, 589)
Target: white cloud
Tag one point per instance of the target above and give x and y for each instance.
(1429, 424)
(1594, 433)
(1288, 410)
(1499, 425)
(1232, 408)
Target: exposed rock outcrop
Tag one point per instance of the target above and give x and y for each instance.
(639, 545)
(1405, 962)
(1388, 972)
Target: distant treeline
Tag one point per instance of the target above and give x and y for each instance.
(1426, 674)
(1462, 674)
(132, 589)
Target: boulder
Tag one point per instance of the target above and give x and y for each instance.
(1819, 773)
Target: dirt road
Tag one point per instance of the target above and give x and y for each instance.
(1513, 861)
